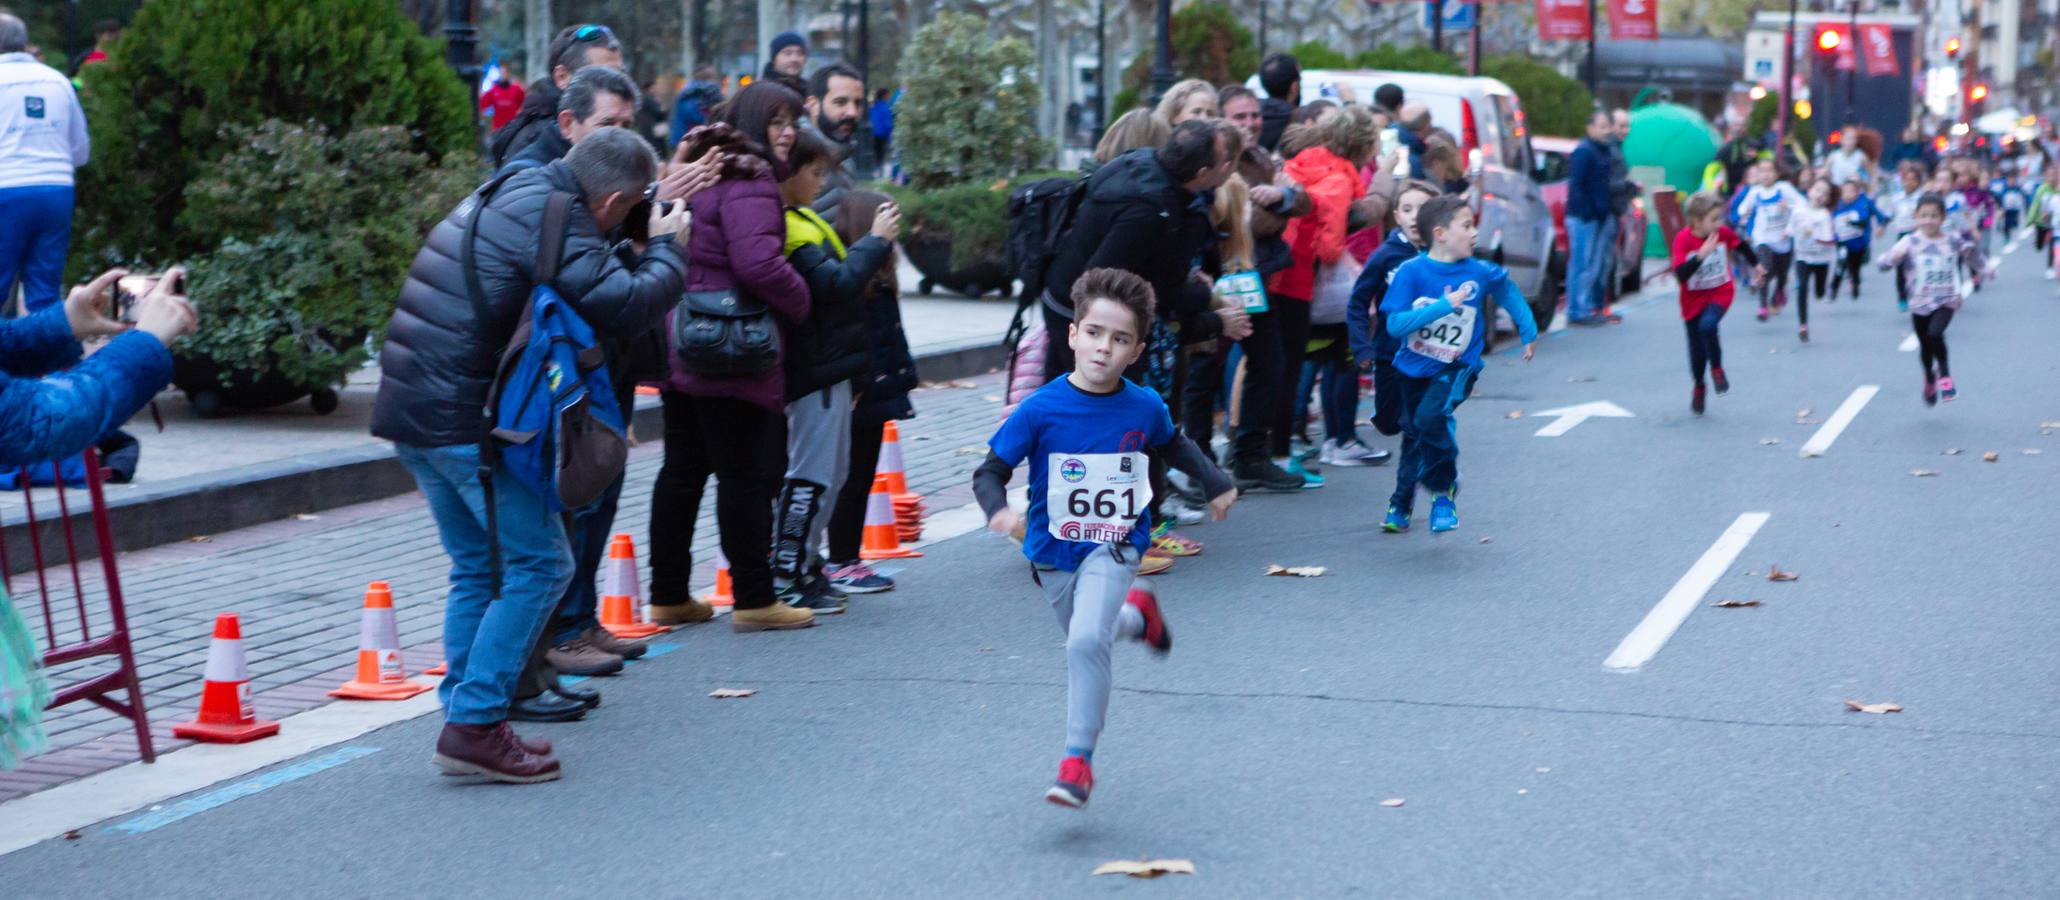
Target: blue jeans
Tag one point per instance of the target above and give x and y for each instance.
(591, 529)
(486, 639)
(35, 233)
(1585, 246)
(1430, 435)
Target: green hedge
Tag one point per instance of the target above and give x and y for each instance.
(974, 217)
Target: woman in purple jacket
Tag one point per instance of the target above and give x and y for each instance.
(725, 426)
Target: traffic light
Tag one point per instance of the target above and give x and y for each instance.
(1828, 39)
(1952, 48)
(1978, 92)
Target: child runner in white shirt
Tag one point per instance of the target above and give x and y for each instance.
(1766, 209)
(1903, 219)
(1816, 249)
(1934, 259)
(1085, 437)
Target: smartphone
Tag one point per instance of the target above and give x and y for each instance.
(131, 288)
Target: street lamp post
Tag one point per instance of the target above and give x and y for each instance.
(1852, 76)
(1593, 65)
(1101, 67)
(1438, 25)
(461, 46)
(1162, 62)
(1787, 72)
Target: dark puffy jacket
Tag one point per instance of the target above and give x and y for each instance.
(883, 389)
(439, 357)
(549, 144)
(738, 242)
(539, 113)
(54, 417)
(1273, 120)
(1136, 219)
(831, 346)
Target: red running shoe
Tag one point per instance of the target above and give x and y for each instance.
(1075, 782)
(1695, 403)
(1155, 631)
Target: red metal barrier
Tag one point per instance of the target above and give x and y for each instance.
(114, 641)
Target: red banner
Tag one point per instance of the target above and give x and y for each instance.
(1877, 46)
(1634, 20)
(1562, 20)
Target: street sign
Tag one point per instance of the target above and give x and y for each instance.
(1458, 16)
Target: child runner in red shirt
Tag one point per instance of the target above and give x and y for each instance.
(1702, 266)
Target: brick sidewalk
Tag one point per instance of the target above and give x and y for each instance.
(298, 586)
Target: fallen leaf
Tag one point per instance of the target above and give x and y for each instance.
(1875, 708)
(947, 385)
(1297, 571)
(969, 450)
(71, 835)
(1924, 473)
(986, 649)
(1513, 414)
(1735, 604)
(727, 693)
(1521, 791)
(1769, 442)
(1991, 456)
(2049, 424)
(1146, 868)
(1542, 769)
(1581, 379)
(1774, 573)
(1806, 421)
(2031, 451)
(307, 517)
(991, 398)
(1391, 802)
(1951, 451)
(199, 539)
(1803, 413)
(1487, 540)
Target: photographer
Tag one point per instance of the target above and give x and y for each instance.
(436, 370)
(57, 415)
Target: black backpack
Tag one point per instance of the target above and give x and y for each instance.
(1040, 213)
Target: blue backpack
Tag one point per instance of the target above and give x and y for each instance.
(552, 416)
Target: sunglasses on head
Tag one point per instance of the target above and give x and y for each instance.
(592, 33)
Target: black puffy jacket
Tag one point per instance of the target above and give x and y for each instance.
(439, 358)
(831, 346)
(539, 114)
(1136, 219)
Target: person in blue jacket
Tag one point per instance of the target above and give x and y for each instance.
(49, 414)
(690, 109)
(1853, 224)
(1372, 346)
(1436, 306)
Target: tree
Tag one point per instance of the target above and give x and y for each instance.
(1553, 103)
(970, 111)
(1724, 19)
(1208, 43)
(1413, 58)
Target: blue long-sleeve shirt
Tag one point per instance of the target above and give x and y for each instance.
(1587, 184)
(1429, 324)
(57, 415)
(1370, 341)
(1851, 222)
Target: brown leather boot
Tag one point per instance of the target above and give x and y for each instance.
(777, 617)
(492, 751)
(579, 656)
(685, 612)
(609, 643)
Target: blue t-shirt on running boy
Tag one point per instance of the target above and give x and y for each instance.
(1433, 339)
(1853, 222)
(1063, 419)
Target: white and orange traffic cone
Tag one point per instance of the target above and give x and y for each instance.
(438, 669)
(622, 602)
(909, 511)
(226, 713)
(380, 676)
(723, 595)
(881, 539)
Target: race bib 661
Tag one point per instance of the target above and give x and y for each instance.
(1096, 497)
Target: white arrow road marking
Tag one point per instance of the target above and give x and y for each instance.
(1569, 416)
(1652, 632)
(1843, 416)
(1909, 343)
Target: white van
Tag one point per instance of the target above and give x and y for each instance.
(1488, 119)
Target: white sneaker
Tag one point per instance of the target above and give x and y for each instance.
(1352, 453)
(1179, 513)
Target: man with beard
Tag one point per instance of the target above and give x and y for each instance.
(836, 106)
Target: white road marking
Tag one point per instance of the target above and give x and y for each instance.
(1843, 416)
(1909, 343)
(1569, 416)
(1645, 641)
(38, 817)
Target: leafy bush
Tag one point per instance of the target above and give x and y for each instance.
(1319, 55)
(970, 111)
(1413, 58)
(973, 217)
(1553, 103)
(291, 153)
(1208, 43)
(309, 239)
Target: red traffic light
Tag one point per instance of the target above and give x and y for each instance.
(1828, 40)
(1978, 93)
(1952, 47)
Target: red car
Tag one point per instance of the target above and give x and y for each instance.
(1552, 155)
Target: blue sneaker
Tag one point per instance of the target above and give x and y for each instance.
(1310, 480)
(1396, 522)
(1902, 306)
(1444, 514)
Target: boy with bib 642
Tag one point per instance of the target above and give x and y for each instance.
(1088, 526)
(1436, 305)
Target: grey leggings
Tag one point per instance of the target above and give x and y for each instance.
(1090, 605)
(818, 453)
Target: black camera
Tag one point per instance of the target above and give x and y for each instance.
(638, 226)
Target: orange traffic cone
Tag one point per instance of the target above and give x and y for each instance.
(881, 539)
(722, 595)
(891, 466)
(622, 604)
(380, 673)
(226, 714)
(438, 669)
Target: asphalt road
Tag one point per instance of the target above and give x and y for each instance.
(902, 750)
